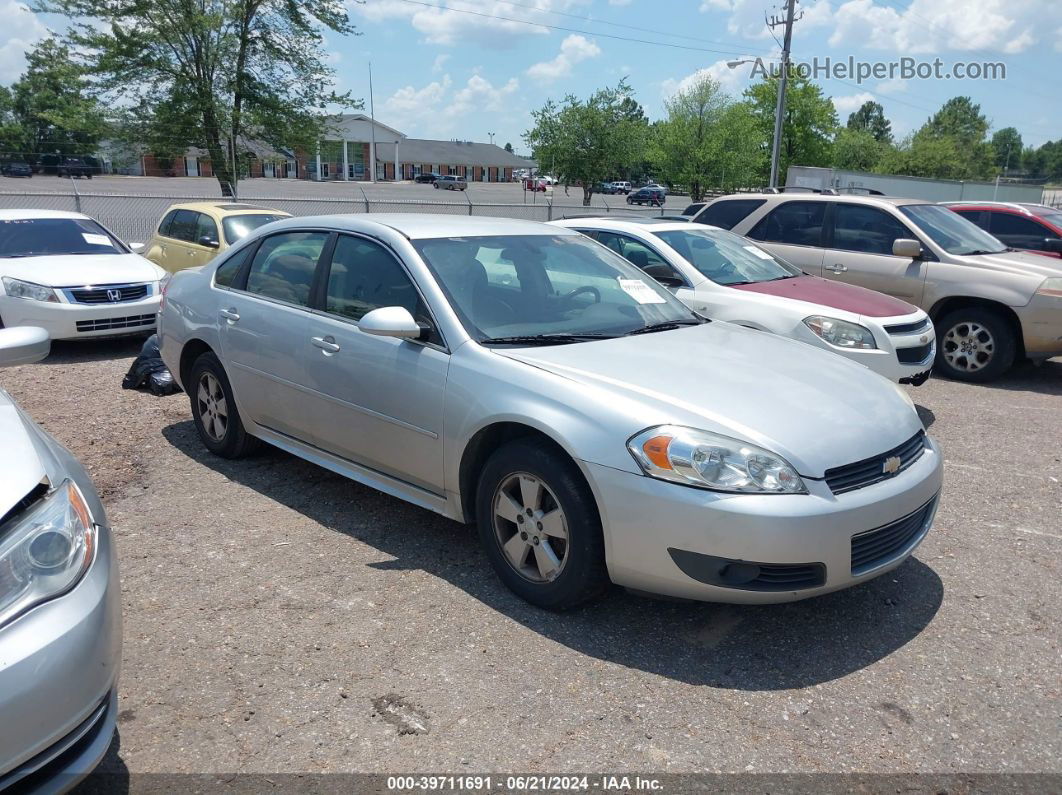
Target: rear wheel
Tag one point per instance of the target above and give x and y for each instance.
(214, 410)
(974, 344)
(539, 526)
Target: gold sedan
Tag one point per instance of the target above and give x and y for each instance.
(193, 233)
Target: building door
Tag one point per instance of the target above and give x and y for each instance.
(191, 166)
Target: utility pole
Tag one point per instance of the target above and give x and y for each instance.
(491, 138)
(779, 108)
(372, 131)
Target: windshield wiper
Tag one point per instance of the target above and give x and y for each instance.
(545, 339)
(667, 325)
(979, 251)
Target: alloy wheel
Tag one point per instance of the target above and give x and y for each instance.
(531, 528)
(213, 408)
(968, 346)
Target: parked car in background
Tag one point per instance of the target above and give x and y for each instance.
(653, 196)
(451, 182)
(536, 184)
(16, 168)
(606, 187)
(69, 275)
(60, 605)
(653, 184)
(622, 186)
(75, 167)
(522, 377)
(193, 233)
(990, 305)
(726, 277)
(1030, 227)
(426, 178)
(692, 209)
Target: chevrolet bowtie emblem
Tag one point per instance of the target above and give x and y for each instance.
(891, 465)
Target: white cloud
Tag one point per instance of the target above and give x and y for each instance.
(896, 85)
(480, 94)
(573, 49)
(409, 105)
(22, 29)
(436, 108)
(732, 81)
(846, 105)
(440, 62)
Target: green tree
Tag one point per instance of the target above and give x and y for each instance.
(858, 149)
(51, 107)
(1006, 144)
(951, 144)
(808, 126)
(228, 68)
(871, 118)
(508, 147)
(585, 141)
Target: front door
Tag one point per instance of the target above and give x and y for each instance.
(859, 252)
(264, 332)
(191, 166)
(378, 400)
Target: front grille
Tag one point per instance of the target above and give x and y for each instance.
(909, 328)
(872, 470)
(876, 547)
(748, 575)
(915, 355)
(105, 324)
(103, 295)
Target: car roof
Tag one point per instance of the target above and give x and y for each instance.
(24, 215)
(650, 225)
(423, 225)
(777, 198)
(223, 207)
(1028, 208)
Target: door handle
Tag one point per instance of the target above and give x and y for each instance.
(326, 344)
(230, 314)
(837, 268)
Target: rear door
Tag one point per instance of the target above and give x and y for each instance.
(795, 231)
(264, 322)
(159, 247)
(197, 253)
(181, 234)
(859, 252)
(725, 213)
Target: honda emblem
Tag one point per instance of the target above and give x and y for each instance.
(114, 295)
(891, 465)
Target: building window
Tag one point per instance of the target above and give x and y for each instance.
(324, 170)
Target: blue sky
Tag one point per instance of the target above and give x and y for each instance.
(440, 71)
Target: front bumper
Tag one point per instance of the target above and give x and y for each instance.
(58, 666)
(1041, 326)
(65, 321)
(645, 519)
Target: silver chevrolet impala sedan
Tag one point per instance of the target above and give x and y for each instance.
(527, 379)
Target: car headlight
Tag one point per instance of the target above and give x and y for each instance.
(45, 551)
(16, 288)
(712, 461)
(841, 333)
(1051, 287)
(160, 288)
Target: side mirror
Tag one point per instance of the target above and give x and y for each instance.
(136, 248)
(1053, 245)
(392, 321)
(23, 345)
(906, 247)
(209, 242)
(663, 274)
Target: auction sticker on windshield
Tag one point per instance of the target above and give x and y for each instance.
(640, 291)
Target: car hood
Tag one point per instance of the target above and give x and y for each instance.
(813, 407)
(81, 270)
(21, 465)
(1023, 263)
(814, 290)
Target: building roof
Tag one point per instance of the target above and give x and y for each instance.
(335, 124)
(456, 153)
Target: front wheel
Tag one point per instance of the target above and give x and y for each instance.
(974, 344)
(540, 527)
(214, 410)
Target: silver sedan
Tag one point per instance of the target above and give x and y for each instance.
(526, 379)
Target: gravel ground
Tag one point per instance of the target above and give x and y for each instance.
(280, 619)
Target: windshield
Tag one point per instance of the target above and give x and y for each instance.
(533, 285)
(237, 227)
(951, 231)
(1055, 219)
(726, 258)
(42, 237)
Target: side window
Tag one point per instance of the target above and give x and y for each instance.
(725, 214)
(183, 225)
(206, 227)
(796, 223)
(632, 250)
(284, 265)
(975, 217)
(866, 229)
(164, 227)
(227, 271)
(365, 276)
(1018, 232)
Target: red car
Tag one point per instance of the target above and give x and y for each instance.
(1032, 227)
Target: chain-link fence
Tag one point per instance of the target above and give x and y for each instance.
(134, 218)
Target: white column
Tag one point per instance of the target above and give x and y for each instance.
(346, 167)
(398, 165)
(317, 176)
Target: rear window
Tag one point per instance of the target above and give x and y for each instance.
(237, 227)
(728, 212)
(41, 237)
(795, 223)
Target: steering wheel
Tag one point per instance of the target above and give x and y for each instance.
(586, 288)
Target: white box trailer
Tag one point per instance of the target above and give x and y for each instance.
(937, 190)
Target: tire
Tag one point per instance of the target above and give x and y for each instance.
(574, 536)
(974, 344)
(435, 185)
(234, 441)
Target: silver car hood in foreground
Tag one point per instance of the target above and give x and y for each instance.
(815, 408)
(21, 467)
